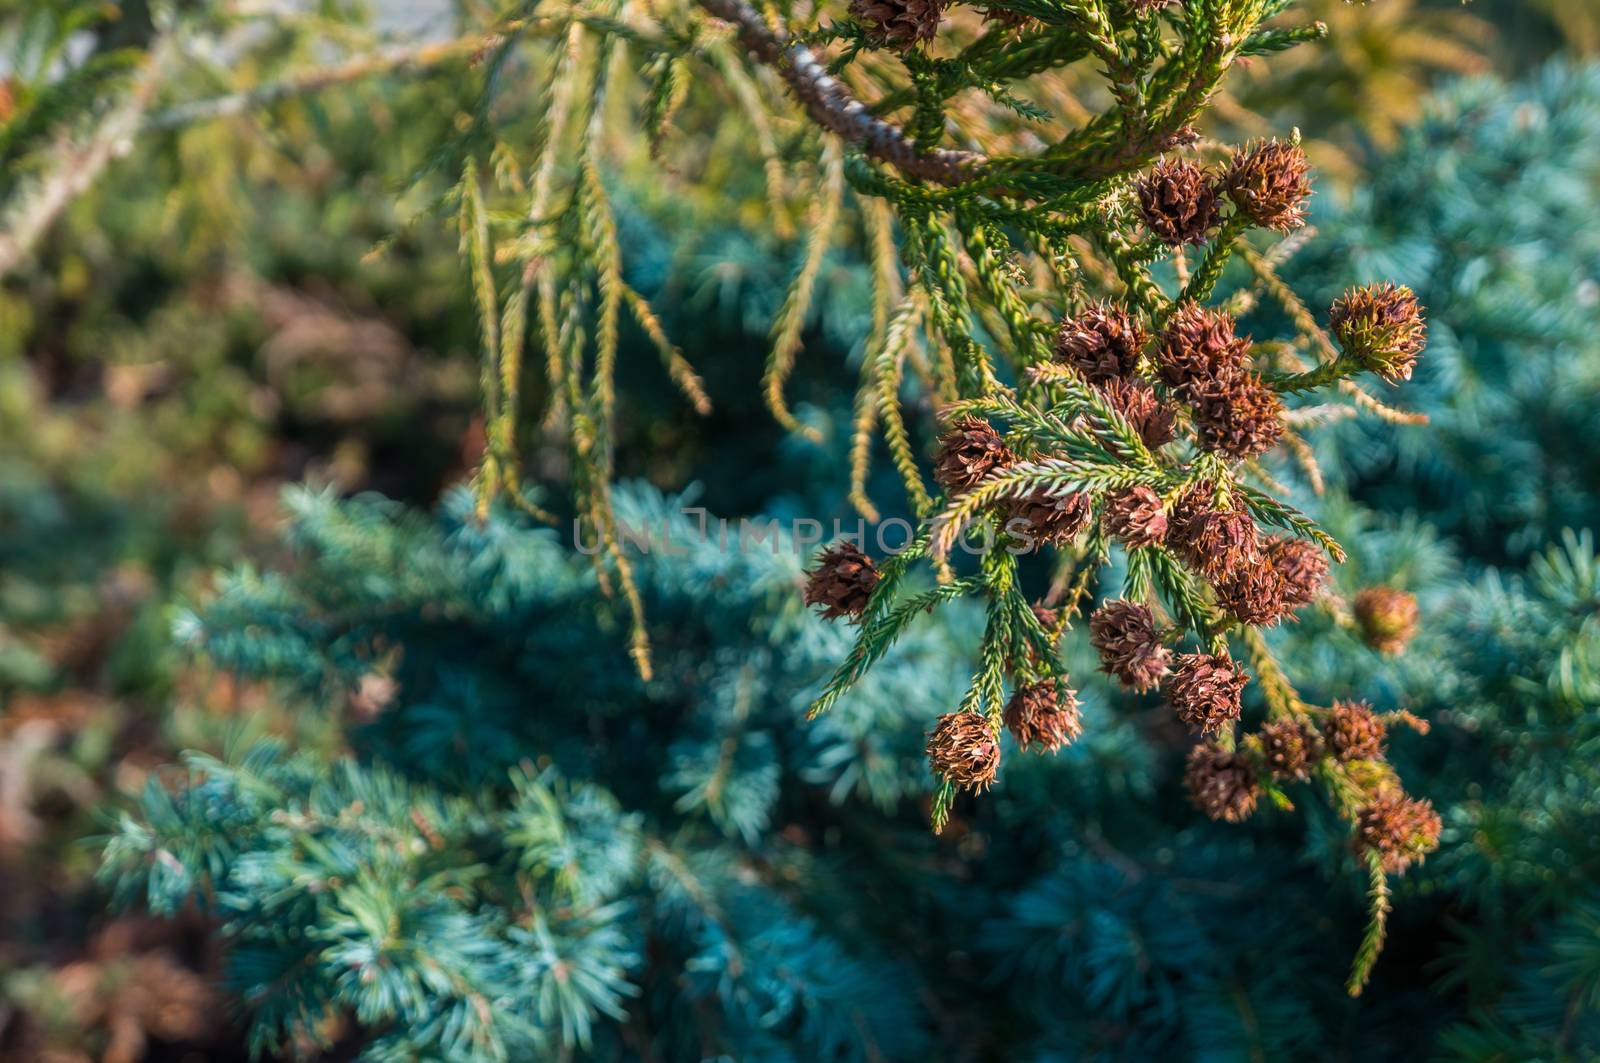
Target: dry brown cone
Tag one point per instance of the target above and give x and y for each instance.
(1048, 618)
(1205, 690)
(1125, 635)
(1135, 517)
(1178, 202)
(1217, 542)
(1152, 419)
(1387, 618)
(1221, 783)
(842, 581)
(1303, 566)
(1354, 731)
(1039, 716)
(1289, 747)
(964, 750)
(1269, 182)
(1102, 342)
(1255, 595)
(1240, 417)
(1044, 517)
(1401, 829)
(898, 23)
(1199, 352)
(968, 452)
(1380, 326)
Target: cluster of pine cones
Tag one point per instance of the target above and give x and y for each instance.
(1196, 370)
(1192, 372)
(1258, 580)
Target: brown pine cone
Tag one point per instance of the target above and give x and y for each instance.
(898, 23)
(1402, 830)
(1216, 542)
(1221, 783)
(1043, 717)
(1199, 353)
(1124, 634)
(1255, 595)
(1289, 747)
(964, 750)
(1178, 203)
(1269, 182)
(1152, 419)
(1355, 732)
(842, 581)
(1381, 326)
(1102, 342)
(1205, 689)
(1240, 417)
(1136, 518)
(968, 452)
(1388, 618)
(1050, 518)
(1303, 565)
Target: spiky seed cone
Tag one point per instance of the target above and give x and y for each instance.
(842, 581)
(1125, 635)
(1178, 202)
(1401, 829)
(1221, 783)
(1039, 716)
(1205, 689)
(1387, 617)
(1136, 518)
(1055, 519)
(1216, 542)
(1381, 326)
(898, 23)
(968, 452)
(1354, 731)
(1288, 748)
(965, 750)
(1143, 409)
(1303, 566)
(1269, 182)
(1255, 595)
(1199, 352)
(1102, 342)
(1239, 417)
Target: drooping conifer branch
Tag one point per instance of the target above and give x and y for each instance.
(832, 106)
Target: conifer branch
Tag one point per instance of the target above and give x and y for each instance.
(792, 315)
(832, 106)
(399, 59)
(1377, 926)
(77, 164)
